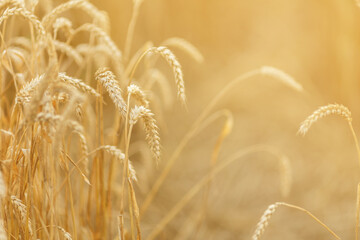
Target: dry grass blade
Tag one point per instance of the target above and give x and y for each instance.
(264, 221)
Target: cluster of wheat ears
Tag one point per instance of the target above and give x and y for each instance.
(66, 170)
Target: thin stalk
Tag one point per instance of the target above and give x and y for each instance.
(170, 163)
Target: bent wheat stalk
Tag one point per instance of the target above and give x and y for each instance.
(324, 111)
(265, 218)
(192, 132)
(202, 183)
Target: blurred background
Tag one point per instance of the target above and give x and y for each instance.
(316, 42)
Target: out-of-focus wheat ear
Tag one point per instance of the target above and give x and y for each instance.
(108, 80)
(27, 15)
(281, 76)
(49, 118)
(14, 58)
(24, 95)
(69, 51)
(151, 129)
(42, 86)
(84, 5)
(324, 111)
(78, 84)
(64, 24)
(118, 154)
(79, 130)
(88, 27)
(176, 67)
(66, 235)
(138, 94)
(185, 46)
(265, 218)
(22, 210)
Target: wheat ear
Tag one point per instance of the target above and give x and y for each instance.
(265, 218)
(66, 235)
(81, 4)
(331, 109)
(118, 154)
(88, 27)
(139, 95)
(78, 84)
(176, 67)
(108, 80)
(27, 15)
(151, 129)
(281, 76)
(21, 208)
(173, 63)
(24, 95)
(324, 111)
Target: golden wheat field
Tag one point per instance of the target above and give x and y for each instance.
(189, 119)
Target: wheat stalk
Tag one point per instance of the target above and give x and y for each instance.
(265, 218)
